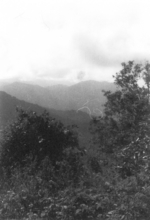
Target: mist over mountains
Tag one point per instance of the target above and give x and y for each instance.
(85, 96)
(72, 105)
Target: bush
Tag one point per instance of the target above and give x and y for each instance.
(37, 136)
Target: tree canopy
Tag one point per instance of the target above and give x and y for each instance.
(124, 130)
(37, 136)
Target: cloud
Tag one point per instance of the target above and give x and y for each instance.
(53, 73)
(81, 75)
(71, 40)
(103, 53)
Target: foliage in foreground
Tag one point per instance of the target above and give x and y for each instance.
(124, 130)
(32, 197)
(37, 136)
(110, 182)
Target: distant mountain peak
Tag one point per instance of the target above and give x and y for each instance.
(86, 95)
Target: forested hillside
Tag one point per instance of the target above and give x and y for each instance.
(8, 114)
(46, 174)
(85, 96)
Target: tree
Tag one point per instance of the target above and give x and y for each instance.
(124, 130)
(37, 136)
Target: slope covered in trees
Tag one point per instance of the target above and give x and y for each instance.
(86, 96)
(108, 181)
(8, 114)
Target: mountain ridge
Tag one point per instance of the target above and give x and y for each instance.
(84, 96)
(8, 114)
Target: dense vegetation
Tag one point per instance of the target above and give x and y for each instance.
(45, 174)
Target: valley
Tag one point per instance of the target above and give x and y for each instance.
(72, 105)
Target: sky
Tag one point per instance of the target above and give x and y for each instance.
(71, 40)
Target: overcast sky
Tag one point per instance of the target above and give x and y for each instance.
(71, 40)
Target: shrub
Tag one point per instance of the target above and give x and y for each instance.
(37, 136)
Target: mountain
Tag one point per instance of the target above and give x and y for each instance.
(85, 96)
(30, 93)
(88, 95)
(8, 106)
(8, 113)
